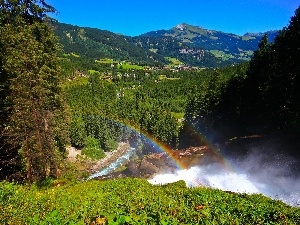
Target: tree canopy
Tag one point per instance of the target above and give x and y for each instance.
(31, 107)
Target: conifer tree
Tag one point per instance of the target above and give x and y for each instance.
(31, 107)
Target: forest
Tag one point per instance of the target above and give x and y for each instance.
(75, 99)
(50, 99)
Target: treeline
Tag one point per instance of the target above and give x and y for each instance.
(138, 101)
(113, 111)
(263, 98)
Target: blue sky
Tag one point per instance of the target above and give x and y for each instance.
(133, 17)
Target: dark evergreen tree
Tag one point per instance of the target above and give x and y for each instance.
(271, 90)
(267, 97)
(32, 108)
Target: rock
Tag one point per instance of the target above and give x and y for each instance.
(132, 169)
(147, 168)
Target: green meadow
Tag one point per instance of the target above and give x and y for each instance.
(135, 201)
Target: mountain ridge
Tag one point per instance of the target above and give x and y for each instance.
(226, 46)
(192, 45)
(185, 26)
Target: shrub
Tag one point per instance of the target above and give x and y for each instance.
(92, 149)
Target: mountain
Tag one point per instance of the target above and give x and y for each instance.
(191, 45)
(271, 34)
(229, 48)
(172, 47)
(94, 44)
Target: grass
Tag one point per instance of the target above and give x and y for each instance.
(131, 66)
(164, 77)
(106, 60)
(174, 61)
(73, 82)
(124, 64)
(135, 201)
(71, 54)
(220, 54)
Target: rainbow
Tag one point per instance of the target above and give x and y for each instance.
(202, 139)
(160, 146)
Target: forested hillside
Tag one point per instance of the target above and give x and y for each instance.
(184, 52)
(95, 44)
(228, 48)
(193, 46)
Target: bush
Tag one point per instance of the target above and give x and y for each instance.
(110, 144)
(92, 149)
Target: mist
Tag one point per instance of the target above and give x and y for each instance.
(260, 171)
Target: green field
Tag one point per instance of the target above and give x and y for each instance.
(135, 201)
(164, 77)
(174, 61)
(220, 54)
(106, 60)
(121, 64)
(130, 66)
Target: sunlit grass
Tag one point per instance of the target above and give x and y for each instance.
(135, 201)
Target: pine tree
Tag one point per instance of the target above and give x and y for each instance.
(31, 107)
(287, 80)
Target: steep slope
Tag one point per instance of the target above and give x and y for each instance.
(172, 47)
(94, 44)
(192, 45)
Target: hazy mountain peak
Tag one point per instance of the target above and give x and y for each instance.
(258, 34)
(271, 34)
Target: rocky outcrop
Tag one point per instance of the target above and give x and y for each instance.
(281, 148)
(147, 168)
(157, 163)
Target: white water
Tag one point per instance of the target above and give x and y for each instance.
(114, 165)
(211, 176)
(201, 176)
(254, 176)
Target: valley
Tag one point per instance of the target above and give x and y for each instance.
(192, 45)
(184, 125)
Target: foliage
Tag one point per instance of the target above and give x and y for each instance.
(34, 122)
(135, 201)
(193, 46)
(260, 98)
(92, 149)
(132, 98)
(94, 44)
